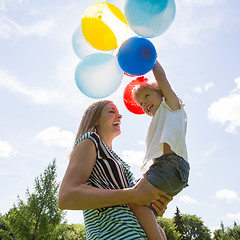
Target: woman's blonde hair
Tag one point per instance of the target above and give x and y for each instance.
(90, 118)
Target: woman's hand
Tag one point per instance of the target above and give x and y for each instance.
(145, 193)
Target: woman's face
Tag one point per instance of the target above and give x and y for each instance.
(109, 121)
(149, 99)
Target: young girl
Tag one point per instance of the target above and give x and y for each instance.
(166, 154)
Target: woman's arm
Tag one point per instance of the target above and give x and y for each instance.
(74, 194)
(170, 96)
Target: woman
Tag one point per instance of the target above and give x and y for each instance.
(98, 181)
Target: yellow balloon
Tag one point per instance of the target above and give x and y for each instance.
(103, 24)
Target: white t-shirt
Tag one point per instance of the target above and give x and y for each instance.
(167, 126)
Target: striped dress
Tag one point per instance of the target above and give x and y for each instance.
(110, 172)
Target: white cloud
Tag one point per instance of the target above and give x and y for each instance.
(52, 136)
(188, 199)
(237, 88)
(6, 150)
(226, 109)
(233, 216)
(209, 85)
(56, 95)
(37, 95)
(206, 87)
(133, 157)
(197, 89)
(9, 28)
(227, 194)
(2, 6)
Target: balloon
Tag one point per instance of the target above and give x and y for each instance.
(128, 98)
(98, 75)
(104, 26)
(149, 18)
(118, 3)
(80, 45)
(137, 56)
(129, 75)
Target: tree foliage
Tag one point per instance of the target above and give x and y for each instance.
(193, 228)
(169, 228)
(73, 232)
(178, 221)
(5, 233)
(39, 216)
(227, 233)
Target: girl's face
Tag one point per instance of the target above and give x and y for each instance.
(149, 99)
(109, 121)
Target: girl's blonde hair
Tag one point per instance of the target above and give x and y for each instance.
(140, 87)
(90, 118)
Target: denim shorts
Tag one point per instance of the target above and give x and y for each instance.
(169, 173)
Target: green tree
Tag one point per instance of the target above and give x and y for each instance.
(169, 228)
(178, 221)
(5, 233)
(220, 234)
(193, 228)
(38, 217)
(217, 235)
(73, 232)
(234, 233)
(227, 233)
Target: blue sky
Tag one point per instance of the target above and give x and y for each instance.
(41, 106)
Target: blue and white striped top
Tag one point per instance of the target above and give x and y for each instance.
(110, 172)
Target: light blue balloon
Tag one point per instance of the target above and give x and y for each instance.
(81, 46)
(98, 75)
(149, 18)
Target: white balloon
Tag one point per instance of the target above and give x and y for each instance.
(81, 46)
(98, 75)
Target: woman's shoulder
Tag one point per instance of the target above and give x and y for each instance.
(88, 135)
(87, 142)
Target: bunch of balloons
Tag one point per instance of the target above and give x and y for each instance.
(105, 51)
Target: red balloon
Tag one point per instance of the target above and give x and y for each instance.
(129, 75)
(128, 99)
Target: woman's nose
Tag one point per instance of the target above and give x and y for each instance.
(119, 116)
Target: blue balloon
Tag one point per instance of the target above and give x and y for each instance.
(98, 75)
(149, 18)
(81, 46)
(137, 56)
